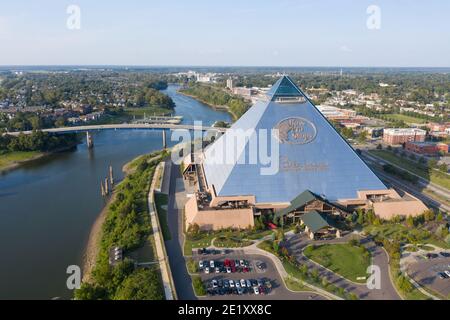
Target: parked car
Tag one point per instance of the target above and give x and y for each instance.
(238, 285)
(211, 264)
(231, 284)
(445, 254)
(248, 283)
(442, 275)
(214, 284)
(200, 264)
(243, 283)
(255, 290)
(228, 269)
(260, 266)
(241, 263)
(447, 273)
(226, 283)
(217, 270)
(254, 282)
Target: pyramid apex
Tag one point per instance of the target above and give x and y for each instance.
(284, 87)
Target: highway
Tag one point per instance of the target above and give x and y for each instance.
(405, 186)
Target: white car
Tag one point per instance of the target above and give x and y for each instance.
(231, 284)
(214, 284)
(447, 272)
(255, 290)
(238, 285)
(200, 264)
(228, 269)
(242, 264)
(217, 270)
(211, 264)
(243, 284)
(206, 270)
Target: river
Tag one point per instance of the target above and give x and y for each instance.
(47, 207)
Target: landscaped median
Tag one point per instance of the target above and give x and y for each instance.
(195, 238)
(301, 272)
(348, 260)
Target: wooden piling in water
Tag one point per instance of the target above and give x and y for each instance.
(111, 176)
(102, 188)
(106, 186)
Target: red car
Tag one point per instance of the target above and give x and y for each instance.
(271, 226)
(226, 263)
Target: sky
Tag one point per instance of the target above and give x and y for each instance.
(405, 33)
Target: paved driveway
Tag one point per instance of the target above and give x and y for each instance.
(177, 197)
(279, 291)
(297, 243)
(425, 273)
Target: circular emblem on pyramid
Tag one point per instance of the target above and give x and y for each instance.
(295, 130)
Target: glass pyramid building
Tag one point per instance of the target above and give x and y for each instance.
(312, 154)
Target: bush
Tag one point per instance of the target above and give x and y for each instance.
(142, 284)
(199, 286)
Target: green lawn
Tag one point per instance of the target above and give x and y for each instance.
(432, 175)
(161, 201)
(346, 260)
(11, 158)
(225, 242)
(405, 118)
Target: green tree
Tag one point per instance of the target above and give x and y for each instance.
(142, 284)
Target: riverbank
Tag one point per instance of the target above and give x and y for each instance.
(13, 160)
(93, 246)
(215, 107)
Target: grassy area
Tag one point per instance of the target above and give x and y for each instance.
(198, 285)
(147, 111)
(225, 238)
(192, 266)
(295, 285)
(432, 175)
(302, 273)
(405, 118)
(202, 242)
(11, 158)
(161, 201)
(225, 242)
(346, 260)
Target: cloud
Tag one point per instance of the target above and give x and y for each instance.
(345, 48)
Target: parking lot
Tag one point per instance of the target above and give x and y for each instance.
(257, 278)
(433, 272)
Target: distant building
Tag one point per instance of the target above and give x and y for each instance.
(230, 84)
(374, 132)
(403, 135)
(333, 113)
(426, 148)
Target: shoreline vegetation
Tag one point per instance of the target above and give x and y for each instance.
(123, 222)
(217, 99)
(20, 150)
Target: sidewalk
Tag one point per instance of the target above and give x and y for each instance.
(166, 275)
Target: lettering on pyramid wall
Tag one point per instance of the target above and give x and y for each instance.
(295, 130)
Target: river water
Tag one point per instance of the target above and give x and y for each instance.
(47, 207)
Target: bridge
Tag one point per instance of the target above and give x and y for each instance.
(123, 126)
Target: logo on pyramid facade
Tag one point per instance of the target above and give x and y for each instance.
(295, 130)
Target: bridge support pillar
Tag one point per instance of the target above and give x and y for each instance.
(89, 140)
(164, 139)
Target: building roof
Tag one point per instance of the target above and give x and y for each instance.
(300, 200)
(312, 154)
(316, 221)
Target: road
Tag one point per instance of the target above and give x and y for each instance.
(297, 243)
(120, 126)
(421, 181)
(177, 197)
(405, 186)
